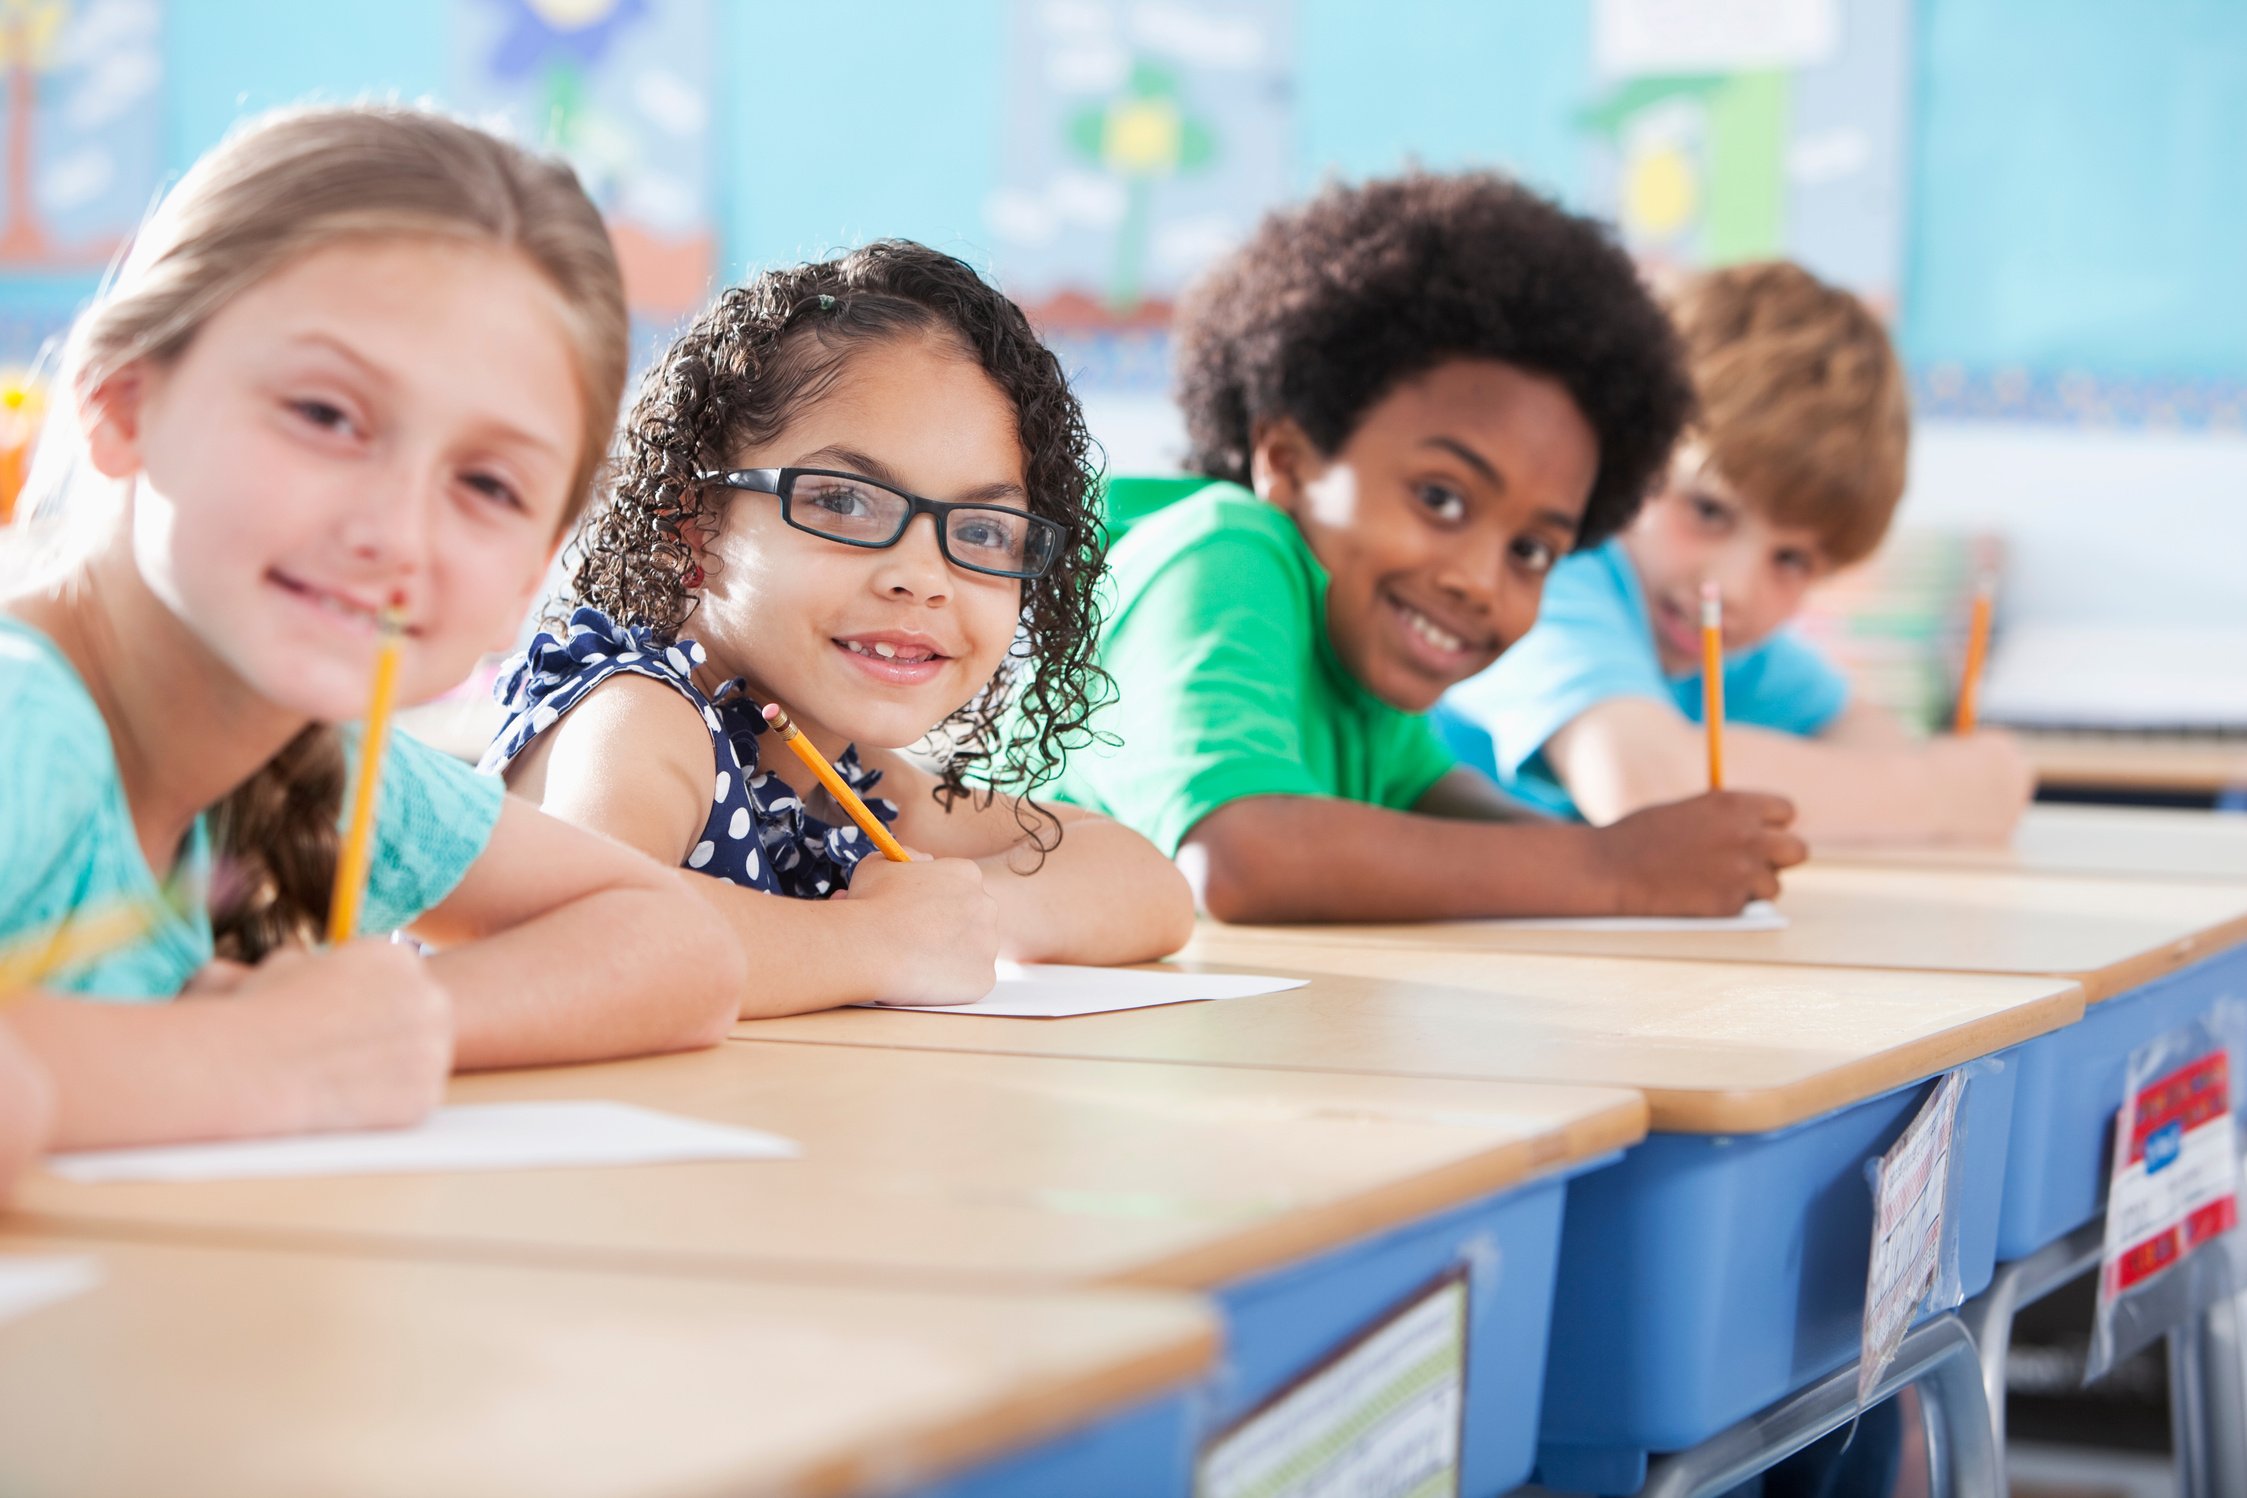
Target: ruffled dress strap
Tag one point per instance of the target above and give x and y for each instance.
(759, 834)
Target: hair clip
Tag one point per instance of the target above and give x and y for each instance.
(826, 303)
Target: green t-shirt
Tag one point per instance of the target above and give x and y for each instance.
(67, 841)
(1229, 686)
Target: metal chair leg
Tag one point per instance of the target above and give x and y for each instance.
(2024, 1282)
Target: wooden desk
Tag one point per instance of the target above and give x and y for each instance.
(2112, 842)
(2174, 764)
(2108, 935)
(996, 1171)
(1715, 1048)
(197, 1369)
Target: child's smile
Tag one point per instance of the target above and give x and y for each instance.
(900, 657)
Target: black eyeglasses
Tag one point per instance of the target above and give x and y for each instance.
(859, 511)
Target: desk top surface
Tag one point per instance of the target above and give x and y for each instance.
(993, 1171)
(1716, 1048)
(2110, 935)
(193, 1369)
(2112, 842)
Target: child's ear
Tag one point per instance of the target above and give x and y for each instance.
(1282, 461)
(109, 414)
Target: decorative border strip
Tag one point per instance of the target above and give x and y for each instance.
(2080, 398)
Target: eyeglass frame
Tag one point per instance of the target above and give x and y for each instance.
(781, 483)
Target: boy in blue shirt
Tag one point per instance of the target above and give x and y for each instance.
(1791, 472)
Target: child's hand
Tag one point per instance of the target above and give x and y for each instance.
(937, 926)
(356, 1037)
(1710, 855)
(1983, 783)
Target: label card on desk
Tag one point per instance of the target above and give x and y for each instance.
(1757, 915)
(27, 1283)
(1382, 1418)
(483, 1136)
(1033, 990)
(1909, 1189)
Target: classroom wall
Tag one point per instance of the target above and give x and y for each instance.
(2073, 225)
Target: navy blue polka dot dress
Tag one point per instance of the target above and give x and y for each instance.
(759, 834)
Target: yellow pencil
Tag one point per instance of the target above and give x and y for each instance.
(1977, 651)
(351, 864)
(29, 961)
(844, 796)
(1712, 680)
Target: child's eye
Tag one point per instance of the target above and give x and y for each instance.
(838, 499)
(496, 489)
(1443, 502)
(992, 533)
(326, 415)
(1712, 514)
(1534, 555)
(1800, 563)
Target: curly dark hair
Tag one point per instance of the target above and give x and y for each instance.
(756, 358)
(1333, 303)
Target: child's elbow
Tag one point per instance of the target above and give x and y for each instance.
(710, 1002)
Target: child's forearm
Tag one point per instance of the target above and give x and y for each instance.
(1105, 895)
(619, 972)
(1841, 791)
(803, 955)
(133, 1074)
(1300, 858)
(27, 1103)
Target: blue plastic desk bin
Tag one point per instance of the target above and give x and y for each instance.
(1143, 1452)
(2070, 1086)
(1285, 1322)
(1706, 1276)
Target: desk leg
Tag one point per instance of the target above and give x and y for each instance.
(2208, 1403)
(2024, 1282)
(1937, 1355)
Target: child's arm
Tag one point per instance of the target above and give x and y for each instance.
(1307, 858)
(359, 1037)
(1860, 781)
(632, 761)
(27, 1104)
(562, 946)
(1103, 895)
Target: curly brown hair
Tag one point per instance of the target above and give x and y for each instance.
(756, 358)
(1333, 303)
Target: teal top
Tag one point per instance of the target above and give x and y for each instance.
(67, 842)
(1594, 642)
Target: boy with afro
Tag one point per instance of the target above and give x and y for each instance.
(1790, 472)
(1407, 401)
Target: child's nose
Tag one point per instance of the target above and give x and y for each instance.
(915, 566)
(387, 525)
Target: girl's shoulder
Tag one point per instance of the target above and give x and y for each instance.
(52, 737)
(557, 672)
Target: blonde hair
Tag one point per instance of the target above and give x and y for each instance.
(1803, 407)
(281, 188)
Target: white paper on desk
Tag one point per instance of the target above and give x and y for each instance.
(478, 1136)
(1043, 990)
(1760, 915)
(28, 1282)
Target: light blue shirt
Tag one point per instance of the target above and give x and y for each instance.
(1593, 643)
(68, 845)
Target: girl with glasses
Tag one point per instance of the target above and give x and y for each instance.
(861, 490)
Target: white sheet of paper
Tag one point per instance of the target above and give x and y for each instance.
(481, 1136)
(1760, 915)
(27, 1282)
(1039, 990)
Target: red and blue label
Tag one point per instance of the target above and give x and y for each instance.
(2177, 1185)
